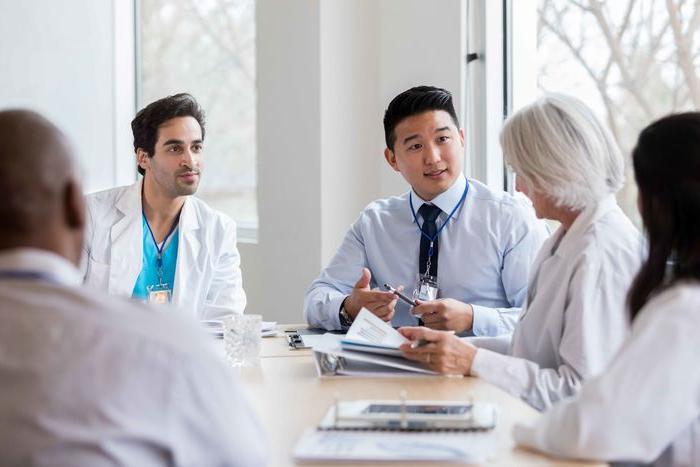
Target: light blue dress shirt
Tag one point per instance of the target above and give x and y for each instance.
(485, 254)
(149, 270)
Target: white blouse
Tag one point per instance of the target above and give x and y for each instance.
(574, 319)
(646, 406)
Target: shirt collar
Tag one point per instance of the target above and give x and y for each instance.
(446, 201)
(54, 266)
(588, 216)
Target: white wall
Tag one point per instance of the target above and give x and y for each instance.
(352, 140)
(420, 43)
(326, 72)
(58, 58)
(289, 159)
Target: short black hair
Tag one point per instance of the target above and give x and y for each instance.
(413, 102)
(147, 121)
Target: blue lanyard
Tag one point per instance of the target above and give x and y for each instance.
(420, 229)
(28, 276)
(161, 247)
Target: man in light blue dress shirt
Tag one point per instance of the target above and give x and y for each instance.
(486, 239)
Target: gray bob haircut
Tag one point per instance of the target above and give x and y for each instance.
(560, 148)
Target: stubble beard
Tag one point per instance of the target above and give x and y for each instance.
(182, 189)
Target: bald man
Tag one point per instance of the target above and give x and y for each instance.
(87, 380)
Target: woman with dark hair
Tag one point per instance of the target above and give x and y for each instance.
(646, 406)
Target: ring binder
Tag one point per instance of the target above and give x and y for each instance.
(332, 360)
(409, 416)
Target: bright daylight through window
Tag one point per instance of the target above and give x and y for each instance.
(631, 60)
(207, 48)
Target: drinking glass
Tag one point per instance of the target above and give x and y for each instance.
(242, 339)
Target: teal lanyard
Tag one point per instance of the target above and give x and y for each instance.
(161, 247)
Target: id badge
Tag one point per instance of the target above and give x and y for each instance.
(159, 294)
(426, 289)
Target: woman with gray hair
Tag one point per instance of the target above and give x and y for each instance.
(574, 321)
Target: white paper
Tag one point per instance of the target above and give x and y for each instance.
(215, 327)
(369, 329)
(339, 446)
(311, 340)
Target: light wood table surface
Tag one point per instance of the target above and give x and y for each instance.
(289, 397)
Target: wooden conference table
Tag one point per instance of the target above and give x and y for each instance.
(289, 397)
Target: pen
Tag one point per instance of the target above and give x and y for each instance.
(400, 295)
(419, 343)
(423, 342)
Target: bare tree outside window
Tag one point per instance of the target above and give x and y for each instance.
(633, 61)
(207, 48)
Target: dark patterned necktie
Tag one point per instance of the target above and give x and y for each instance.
(429, 213)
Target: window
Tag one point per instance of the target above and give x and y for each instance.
(632, 61)
(486, 103)
(207, 48)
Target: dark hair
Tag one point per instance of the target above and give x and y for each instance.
(413, 102)
(667, 169)
(147, 121)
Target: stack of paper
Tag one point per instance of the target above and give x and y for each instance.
(319, 445)
(269, 328)
(215, 327)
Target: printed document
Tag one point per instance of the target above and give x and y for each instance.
(369, 333)
(320, 445)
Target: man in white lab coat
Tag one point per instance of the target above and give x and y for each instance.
(153, 240)
(87, 379)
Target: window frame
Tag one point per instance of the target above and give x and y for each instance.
(486, 96)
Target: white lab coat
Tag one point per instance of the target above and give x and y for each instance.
(208, 280)
(574, 319)
(646, 406)
(92, 380)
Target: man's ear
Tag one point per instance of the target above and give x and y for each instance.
(142, 159)
(461, 136)
(391, 159)
(74, 205)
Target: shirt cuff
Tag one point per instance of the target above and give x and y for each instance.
(484, 362)
(500, 344)
(485, 321)
(503, 371)
(334, 311)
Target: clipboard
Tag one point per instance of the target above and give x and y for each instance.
(410, 416)
(334, 441)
